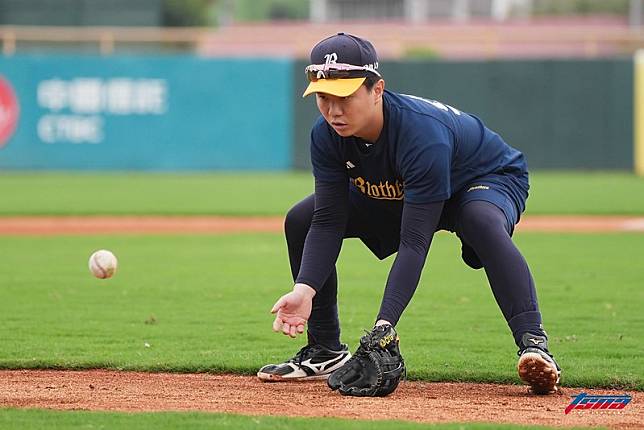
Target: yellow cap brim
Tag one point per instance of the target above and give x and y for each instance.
(336, 87)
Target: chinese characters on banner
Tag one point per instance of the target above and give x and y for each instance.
(76, 108)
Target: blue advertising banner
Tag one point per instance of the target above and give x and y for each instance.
(144, 113)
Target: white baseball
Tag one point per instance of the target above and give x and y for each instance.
(102, 264)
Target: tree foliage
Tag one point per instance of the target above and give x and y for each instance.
(581, 7)
(187, 13)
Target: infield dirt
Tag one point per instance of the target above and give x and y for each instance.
(413, 401)
(43, 225)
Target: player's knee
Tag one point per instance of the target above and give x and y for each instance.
(298, 220)
(480, 220)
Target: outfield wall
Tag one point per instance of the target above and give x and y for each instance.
(146, 113)
(561, 114)
(186, 113)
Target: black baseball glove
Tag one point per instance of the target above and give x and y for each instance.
(375, 369)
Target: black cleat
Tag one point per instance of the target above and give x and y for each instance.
(537, 368)
(310, 363)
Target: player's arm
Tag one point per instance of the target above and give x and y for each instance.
(425, 168)
(419, 222)
(321, 250)
(324, 239)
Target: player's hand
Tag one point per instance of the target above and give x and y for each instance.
(293, 310)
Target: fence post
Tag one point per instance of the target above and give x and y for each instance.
(8, 42)
(638, 120)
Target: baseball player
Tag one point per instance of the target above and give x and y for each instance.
(391, 169)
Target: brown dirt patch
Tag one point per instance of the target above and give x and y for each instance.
(79, 225)
(413, 401)
(581, 224)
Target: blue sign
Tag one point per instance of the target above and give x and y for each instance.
(148, 113)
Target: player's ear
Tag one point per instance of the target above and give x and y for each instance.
(379, 89)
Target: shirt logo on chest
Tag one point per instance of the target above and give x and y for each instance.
(350, 165)
(381, 190)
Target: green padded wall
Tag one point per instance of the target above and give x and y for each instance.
(563, 114)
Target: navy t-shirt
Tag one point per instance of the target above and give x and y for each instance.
(426, 151)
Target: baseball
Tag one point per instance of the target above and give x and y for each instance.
(102, 264)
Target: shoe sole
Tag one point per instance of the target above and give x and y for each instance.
(269, 377)
(541, 375)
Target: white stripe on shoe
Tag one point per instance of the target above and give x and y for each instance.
(305, 370)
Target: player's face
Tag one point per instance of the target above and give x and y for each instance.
(352, 115)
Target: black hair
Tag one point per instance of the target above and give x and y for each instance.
(371, 81)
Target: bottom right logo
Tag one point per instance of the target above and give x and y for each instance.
(610, 402)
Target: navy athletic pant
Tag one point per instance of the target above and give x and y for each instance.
(482, 216)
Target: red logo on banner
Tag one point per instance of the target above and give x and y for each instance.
(8, 111)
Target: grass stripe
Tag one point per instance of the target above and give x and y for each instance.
(269, 193)
(58, 420)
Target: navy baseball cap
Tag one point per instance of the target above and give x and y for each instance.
(340, 64)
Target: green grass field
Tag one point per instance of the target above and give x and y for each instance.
(12, 419)
(270, 194)
(201, 302)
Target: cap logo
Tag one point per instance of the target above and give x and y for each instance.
(328, 60)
